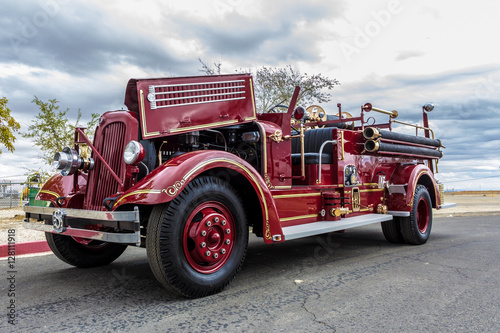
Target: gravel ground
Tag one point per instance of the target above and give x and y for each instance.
(12, 219)
(467, 205)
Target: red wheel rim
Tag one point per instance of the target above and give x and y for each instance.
(90, 244)
(87, 241)
(423, 215)
(83, 241)
(209, 236)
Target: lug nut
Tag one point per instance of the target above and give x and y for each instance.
(208, 223)
(228, 231)
(216, 219)
(223, 251)
(216, 256)
(228, 242)
(203, 244)
(223, 222)
(203, 233)
(208, 253)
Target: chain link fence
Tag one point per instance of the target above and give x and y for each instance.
(14, 195)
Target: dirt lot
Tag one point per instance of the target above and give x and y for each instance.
(468, 204)
(472, 203)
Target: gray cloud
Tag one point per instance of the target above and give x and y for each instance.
(94, 97)
(404, 55)
(79, 40)
(271, 38)
(82, 41)
(93, 51)
(467, 124)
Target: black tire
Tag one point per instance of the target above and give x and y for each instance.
(392, 230)
(197, 243)
(417, 228)
(79, 254)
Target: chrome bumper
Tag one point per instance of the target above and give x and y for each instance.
(126, 224)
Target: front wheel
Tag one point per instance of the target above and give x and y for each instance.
(83, 253)
(417, 228)
(197, 243)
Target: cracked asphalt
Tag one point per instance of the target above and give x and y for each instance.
(340, 282)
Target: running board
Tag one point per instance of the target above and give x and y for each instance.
(323, 227)
(447, 205)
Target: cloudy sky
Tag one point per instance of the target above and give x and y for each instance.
(395, 54)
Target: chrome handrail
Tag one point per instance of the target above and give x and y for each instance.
(318, 181)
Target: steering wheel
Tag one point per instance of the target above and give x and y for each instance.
(279, 105)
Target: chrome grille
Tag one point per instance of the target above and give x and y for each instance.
(101, 184)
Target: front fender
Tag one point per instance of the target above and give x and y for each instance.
(167, 181)
(62, 186)
(412, 175)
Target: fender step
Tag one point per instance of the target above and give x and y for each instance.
(323, 227)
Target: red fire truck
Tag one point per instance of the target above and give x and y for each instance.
(191, 167)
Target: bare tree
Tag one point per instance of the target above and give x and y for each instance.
(210, 69)
(275, 85)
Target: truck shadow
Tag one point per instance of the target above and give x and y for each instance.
(131, 278)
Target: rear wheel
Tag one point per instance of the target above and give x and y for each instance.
(417, 229)
(83, 252)
(197, 243)
(392, 230)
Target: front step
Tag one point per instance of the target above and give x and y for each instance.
(323, 227)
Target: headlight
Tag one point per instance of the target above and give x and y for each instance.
(66, 161)
(134, 153)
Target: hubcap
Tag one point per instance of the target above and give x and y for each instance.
(208, 237)
(423, 215)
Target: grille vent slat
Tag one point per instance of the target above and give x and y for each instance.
(101, 183)
(164, 96)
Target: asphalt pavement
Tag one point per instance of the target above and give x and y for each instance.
(340, 282)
